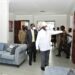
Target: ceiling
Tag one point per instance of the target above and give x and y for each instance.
(30, 7)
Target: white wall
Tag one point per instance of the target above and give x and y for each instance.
(4, 20)
(11, 16)
(73, 9)
(59, 19)
(71, 21)
(71, 16)
(11, 34)
(24, 17)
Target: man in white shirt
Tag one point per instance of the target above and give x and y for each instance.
(43, 43)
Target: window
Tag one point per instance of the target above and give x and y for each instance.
(50, 24)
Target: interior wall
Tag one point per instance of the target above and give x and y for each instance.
(71, 22)
(59, 19)
(4, 11)
(71, 16)
(73, 9)
(24, 17)
(11, 34)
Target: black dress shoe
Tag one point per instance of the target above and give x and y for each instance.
(42, 68)
(34, 60)
(30, 64)
(46, 65)
(67, 57)
(58, 55)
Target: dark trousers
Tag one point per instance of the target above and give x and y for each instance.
(32, 53)
(67, 49)
(60, 48)
(44, 58)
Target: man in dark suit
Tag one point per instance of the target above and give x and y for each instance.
(31, 38)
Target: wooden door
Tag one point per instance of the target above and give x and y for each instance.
(17, 27)
(73, 45)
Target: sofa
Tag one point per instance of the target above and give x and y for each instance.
(13, 54)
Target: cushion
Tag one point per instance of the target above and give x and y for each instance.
(6, 46)
(1, 52)
(7, 55)
(13, 49)
(1, 46)
(9, 48)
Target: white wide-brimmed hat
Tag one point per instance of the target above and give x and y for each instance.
(42, 24)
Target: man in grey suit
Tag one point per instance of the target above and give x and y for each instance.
(31, 38)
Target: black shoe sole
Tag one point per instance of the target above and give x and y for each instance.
(67, 57)
(46, 65)
(30, 64)
(58, 55)
(42, 68)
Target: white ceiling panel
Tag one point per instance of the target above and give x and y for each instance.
(35, 6)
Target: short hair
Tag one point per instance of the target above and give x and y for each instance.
(53, 28)
(23, 27)
(32, 25)
(57, 28)
(62, 27)
(70, 30)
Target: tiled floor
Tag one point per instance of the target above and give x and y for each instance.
(25, 69)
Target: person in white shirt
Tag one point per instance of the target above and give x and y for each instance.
(43, 43)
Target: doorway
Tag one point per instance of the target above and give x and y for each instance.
(17, 26)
